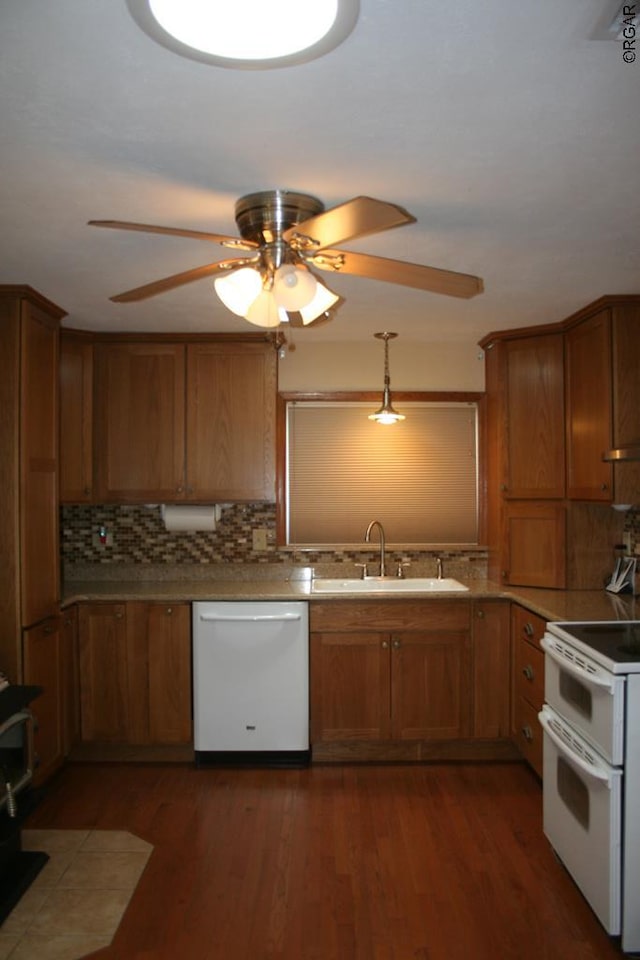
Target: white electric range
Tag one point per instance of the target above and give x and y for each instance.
(591, 788)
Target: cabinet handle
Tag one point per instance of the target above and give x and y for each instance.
(169, 611)
(480, 614)
(528, 629)
(119, 615)
(528, 672)
(385, 645)
(503, 488)
(527, 733)
(48, 631)
(604, 486)
(505, 574)
(396, 644)
(179, 490)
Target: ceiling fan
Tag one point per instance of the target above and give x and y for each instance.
(285, 234)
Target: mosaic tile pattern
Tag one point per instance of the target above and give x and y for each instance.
(77, 901)
(139, 537)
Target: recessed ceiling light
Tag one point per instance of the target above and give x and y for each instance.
(252, 35)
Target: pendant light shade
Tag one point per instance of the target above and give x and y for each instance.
(386, 414)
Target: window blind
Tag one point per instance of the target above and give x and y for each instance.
(418, 477)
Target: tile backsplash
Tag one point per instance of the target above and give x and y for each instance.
(137, 535)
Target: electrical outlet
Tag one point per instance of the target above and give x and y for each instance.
(260, 538)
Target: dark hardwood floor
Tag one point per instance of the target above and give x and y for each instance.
(434, 862)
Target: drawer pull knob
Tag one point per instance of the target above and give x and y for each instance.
(528, 672)
(385, 644)
(527, 733)
(528, 629)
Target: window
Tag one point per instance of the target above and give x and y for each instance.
(418, 477)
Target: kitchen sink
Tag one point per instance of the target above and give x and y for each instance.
(388, 585)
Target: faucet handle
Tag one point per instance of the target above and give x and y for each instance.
(365, 570)
(400, 568)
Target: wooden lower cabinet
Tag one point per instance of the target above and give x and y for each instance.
(410, 680)
(104, 703)
(159, 672)
(42, 650)
(491, 626)
(70, 680)
(135, 672)
(527, 630)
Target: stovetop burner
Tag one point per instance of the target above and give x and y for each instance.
(616, 641)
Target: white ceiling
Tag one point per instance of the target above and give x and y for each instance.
(510, 134)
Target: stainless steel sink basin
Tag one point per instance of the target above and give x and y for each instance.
(388, 585)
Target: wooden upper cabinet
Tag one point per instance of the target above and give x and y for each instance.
(626, 402)
(177, 422)
(140, 391)
(589, 408)
(231, 398)
(534, 410)
(76, 418)
(534, 544)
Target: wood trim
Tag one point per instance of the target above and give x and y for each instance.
(561, 326)
(413, 751)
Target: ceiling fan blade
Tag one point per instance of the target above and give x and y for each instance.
(179, 279)
(355, 218)
(416, 275)
(176, 232)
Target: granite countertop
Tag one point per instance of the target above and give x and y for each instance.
(265, 584)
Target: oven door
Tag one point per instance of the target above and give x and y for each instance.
(588, 696)
(582, 809)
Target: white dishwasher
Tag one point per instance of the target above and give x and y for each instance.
(251, 682)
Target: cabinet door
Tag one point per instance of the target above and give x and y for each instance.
(42, 666)
(70, 680)
(430, 685)
(76, 419)
(140, 421)
(159, 672)
(534, 544)
(491, 668)
(39, 465)
(103, 672)
(231, 397)
(626, 398)
(349, 686)
(534, 408)
(589, 408)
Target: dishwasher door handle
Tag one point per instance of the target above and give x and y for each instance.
(244, 618)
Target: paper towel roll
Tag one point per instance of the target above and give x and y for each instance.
(183, 519)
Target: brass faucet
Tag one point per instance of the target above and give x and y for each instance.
(367, 539)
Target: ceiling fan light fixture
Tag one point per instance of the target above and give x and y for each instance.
(386, 414)
(254, 34)
(238, 289)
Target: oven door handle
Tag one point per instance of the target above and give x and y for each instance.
(577, 671)
(596, 773)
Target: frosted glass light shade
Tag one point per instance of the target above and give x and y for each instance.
(323, 300)
(294, 287)
(239, 289)
(264, 311)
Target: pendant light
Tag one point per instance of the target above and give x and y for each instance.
(386, 413)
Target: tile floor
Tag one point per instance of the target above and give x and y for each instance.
(77, 900)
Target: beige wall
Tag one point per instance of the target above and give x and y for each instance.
(360, 366)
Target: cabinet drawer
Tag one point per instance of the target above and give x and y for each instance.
(526, 625)
(529, 672)
(390, 615)
(529, 734)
